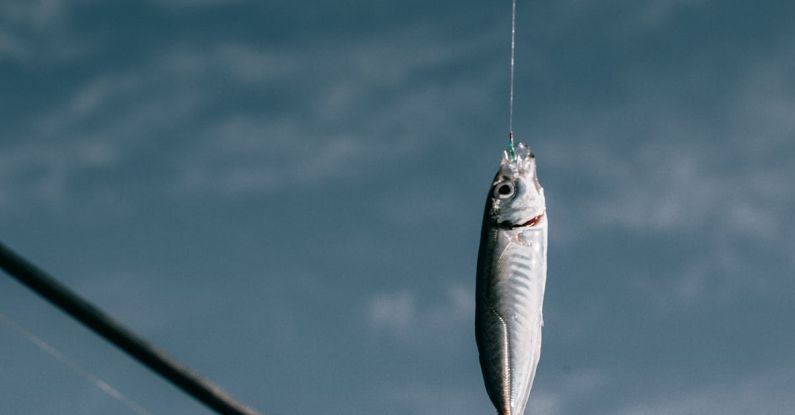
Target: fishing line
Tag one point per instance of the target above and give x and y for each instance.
(115, 333)
(102, 385)
(513, 64)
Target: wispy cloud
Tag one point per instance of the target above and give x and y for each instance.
(422, 203)
(426, 398)
(197, 4)
(423, 399)
(402, 315)
(687, 174)
(357, 105)
(40, 30)
(680, 172)
(42, 174)
(11, 47)
(564, 395)
(394, 312)
(766, 393)
(37, 13)
(656, 12)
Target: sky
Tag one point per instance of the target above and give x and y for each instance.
(287, 196)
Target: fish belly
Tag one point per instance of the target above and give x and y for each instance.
(510, 296)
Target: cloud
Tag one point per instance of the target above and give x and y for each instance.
(680, 189)
(11, 47)
(615, 18)
(41, 30)
(37, 13)
(104, 120)
(95, 130)
(195, 4)
(765, 393)
(38, 173)
(402, 315)
(429, 201)
(655, 13)
(395, 312)
(676, 169)
(252, 66)
(567, 392)
(353, 115)
(655, 168)
(242, 154)
(421, 399)
(427, 398)
(766, 102)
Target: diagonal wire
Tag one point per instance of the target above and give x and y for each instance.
(45, 347)
(114, 332)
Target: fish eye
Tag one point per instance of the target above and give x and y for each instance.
(504, 190)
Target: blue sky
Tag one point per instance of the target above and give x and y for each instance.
(287, 196)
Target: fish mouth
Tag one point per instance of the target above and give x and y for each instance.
(529, 224)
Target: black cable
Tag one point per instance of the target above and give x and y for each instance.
(99, 322)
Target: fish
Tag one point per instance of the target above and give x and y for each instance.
(511, 279)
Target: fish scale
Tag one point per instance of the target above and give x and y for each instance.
(511, 279)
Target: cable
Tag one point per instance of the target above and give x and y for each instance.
(102, 324)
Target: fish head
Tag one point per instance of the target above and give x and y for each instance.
(516, 199)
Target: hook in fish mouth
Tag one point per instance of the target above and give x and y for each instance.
(529, 224)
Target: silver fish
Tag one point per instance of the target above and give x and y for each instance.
(511, 277)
